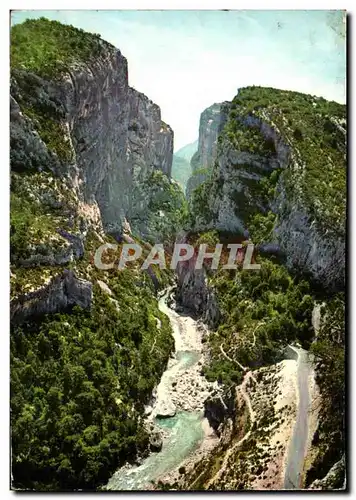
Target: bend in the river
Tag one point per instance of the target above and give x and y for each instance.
(184, 429)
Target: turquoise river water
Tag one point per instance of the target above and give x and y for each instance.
(185, 433)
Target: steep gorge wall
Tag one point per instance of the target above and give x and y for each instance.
(88, 153)
(212, 122)
(114, 134)
(307, 199)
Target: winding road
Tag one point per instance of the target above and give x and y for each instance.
(298, 444)
(299, 440)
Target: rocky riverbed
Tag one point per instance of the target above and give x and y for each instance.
(175, 419)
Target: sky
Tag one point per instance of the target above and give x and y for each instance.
(187, 60)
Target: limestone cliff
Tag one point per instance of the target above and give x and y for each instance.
(88, 153)
(281, 156)
(212, 121)
(89, 156)
(112, 136)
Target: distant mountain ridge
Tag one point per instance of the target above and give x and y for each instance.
(181, 169)
(187, 151)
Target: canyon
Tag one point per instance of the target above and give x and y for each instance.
(148, 378)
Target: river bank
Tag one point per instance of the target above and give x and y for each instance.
(177, 412)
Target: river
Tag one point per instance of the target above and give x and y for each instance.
(184, 431)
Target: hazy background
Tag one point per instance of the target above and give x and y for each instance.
(187, 60)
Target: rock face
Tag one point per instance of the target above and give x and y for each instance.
(307, 248)
(113, 134)
(150, 139)
(219, 408)
(64, 291)
(193, 291)
(212, 121)
(89, 156)
(195, 294)
(260, 144)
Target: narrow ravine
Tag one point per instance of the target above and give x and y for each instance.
(177, 409)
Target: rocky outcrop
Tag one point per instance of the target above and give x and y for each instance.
(61, 293)
(219, 408)
(334, 479)
(307, 248)
(155, 437)
(165, 409)
(194, 292)
(27, 148)
(234, 189)
(71, 247)
(150, 139)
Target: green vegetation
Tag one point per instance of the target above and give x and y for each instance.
(24, 217)
(48, 48)
(260, 225)
(329, 352)
(201, 172)
(199, 202)
(80, 379)
(39, 205)
(262, 312)
(167, 209)
(210, 238)
(198, 177)
(246, 138)
(41, 51)
(38, 103)
(315, 129)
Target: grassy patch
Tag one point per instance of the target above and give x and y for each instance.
(48, 48)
